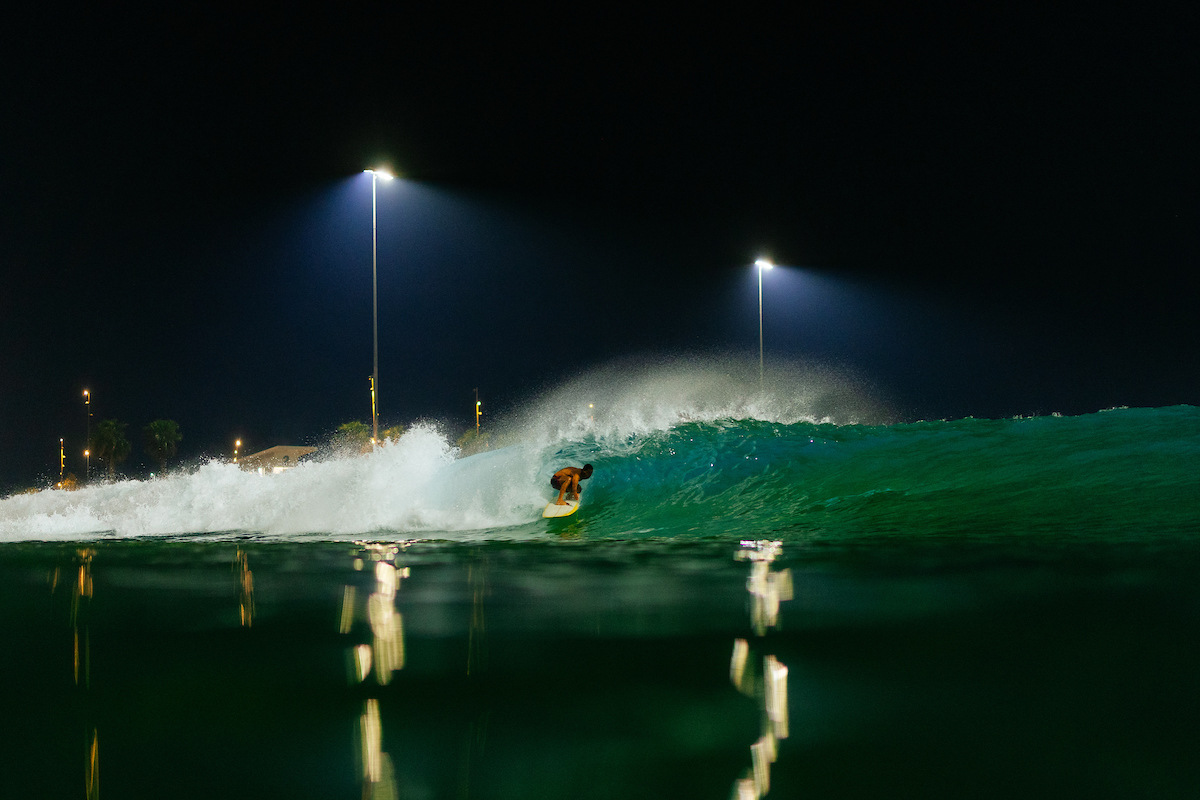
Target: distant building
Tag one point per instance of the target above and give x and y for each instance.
(274, 459)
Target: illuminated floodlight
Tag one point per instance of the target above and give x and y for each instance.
(763, 263)
(380, 173)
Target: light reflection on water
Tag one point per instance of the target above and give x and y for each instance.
(241, 565)
(385, 653)
(767, 588)
(402, 669)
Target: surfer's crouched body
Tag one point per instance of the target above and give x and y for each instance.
(567, 480)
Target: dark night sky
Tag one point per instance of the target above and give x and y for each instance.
(995, 214)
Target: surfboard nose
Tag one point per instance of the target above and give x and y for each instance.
(555, 510)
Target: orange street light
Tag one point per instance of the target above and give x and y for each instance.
(87, 407)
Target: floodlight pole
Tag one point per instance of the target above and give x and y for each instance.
(761, 264)
(760, 331)
(374, 314)
(387, 176)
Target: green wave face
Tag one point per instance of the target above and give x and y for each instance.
(1126, 471)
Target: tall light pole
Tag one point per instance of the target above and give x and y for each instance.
(375, 174)
(763, 264)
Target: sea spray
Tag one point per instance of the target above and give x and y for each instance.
(637, 397)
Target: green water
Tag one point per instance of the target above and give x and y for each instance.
(995, 666)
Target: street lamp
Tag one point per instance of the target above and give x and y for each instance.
(763, 264)
(237, 445)
(87, 453)
(375, 174)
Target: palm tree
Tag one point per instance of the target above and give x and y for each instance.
(352, 437)
(110, 445)
(159, 439)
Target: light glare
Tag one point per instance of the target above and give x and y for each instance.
(763, 263)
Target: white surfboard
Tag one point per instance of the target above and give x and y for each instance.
(555, 510)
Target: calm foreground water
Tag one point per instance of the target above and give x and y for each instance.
(745, 606)
(899, 667)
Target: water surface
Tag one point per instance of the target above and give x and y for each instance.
(745, 606)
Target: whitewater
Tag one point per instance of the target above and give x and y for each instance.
(684, 448)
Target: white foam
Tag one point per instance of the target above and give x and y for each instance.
(414, 485)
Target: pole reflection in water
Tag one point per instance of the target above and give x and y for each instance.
(386, 623)
(384, 656)
(81, 597)
(476, 688)
(91, 774)
(476, 632)
(379, 776)
(767, 590)
(241, 566)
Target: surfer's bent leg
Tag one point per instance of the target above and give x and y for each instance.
(558, 483)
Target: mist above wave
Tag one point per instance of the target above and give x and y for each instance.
(634, 397)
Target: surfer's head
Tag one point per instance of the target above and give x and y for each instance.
(586, 472)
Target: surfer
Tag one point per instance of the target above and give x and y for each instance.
(567, 480)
